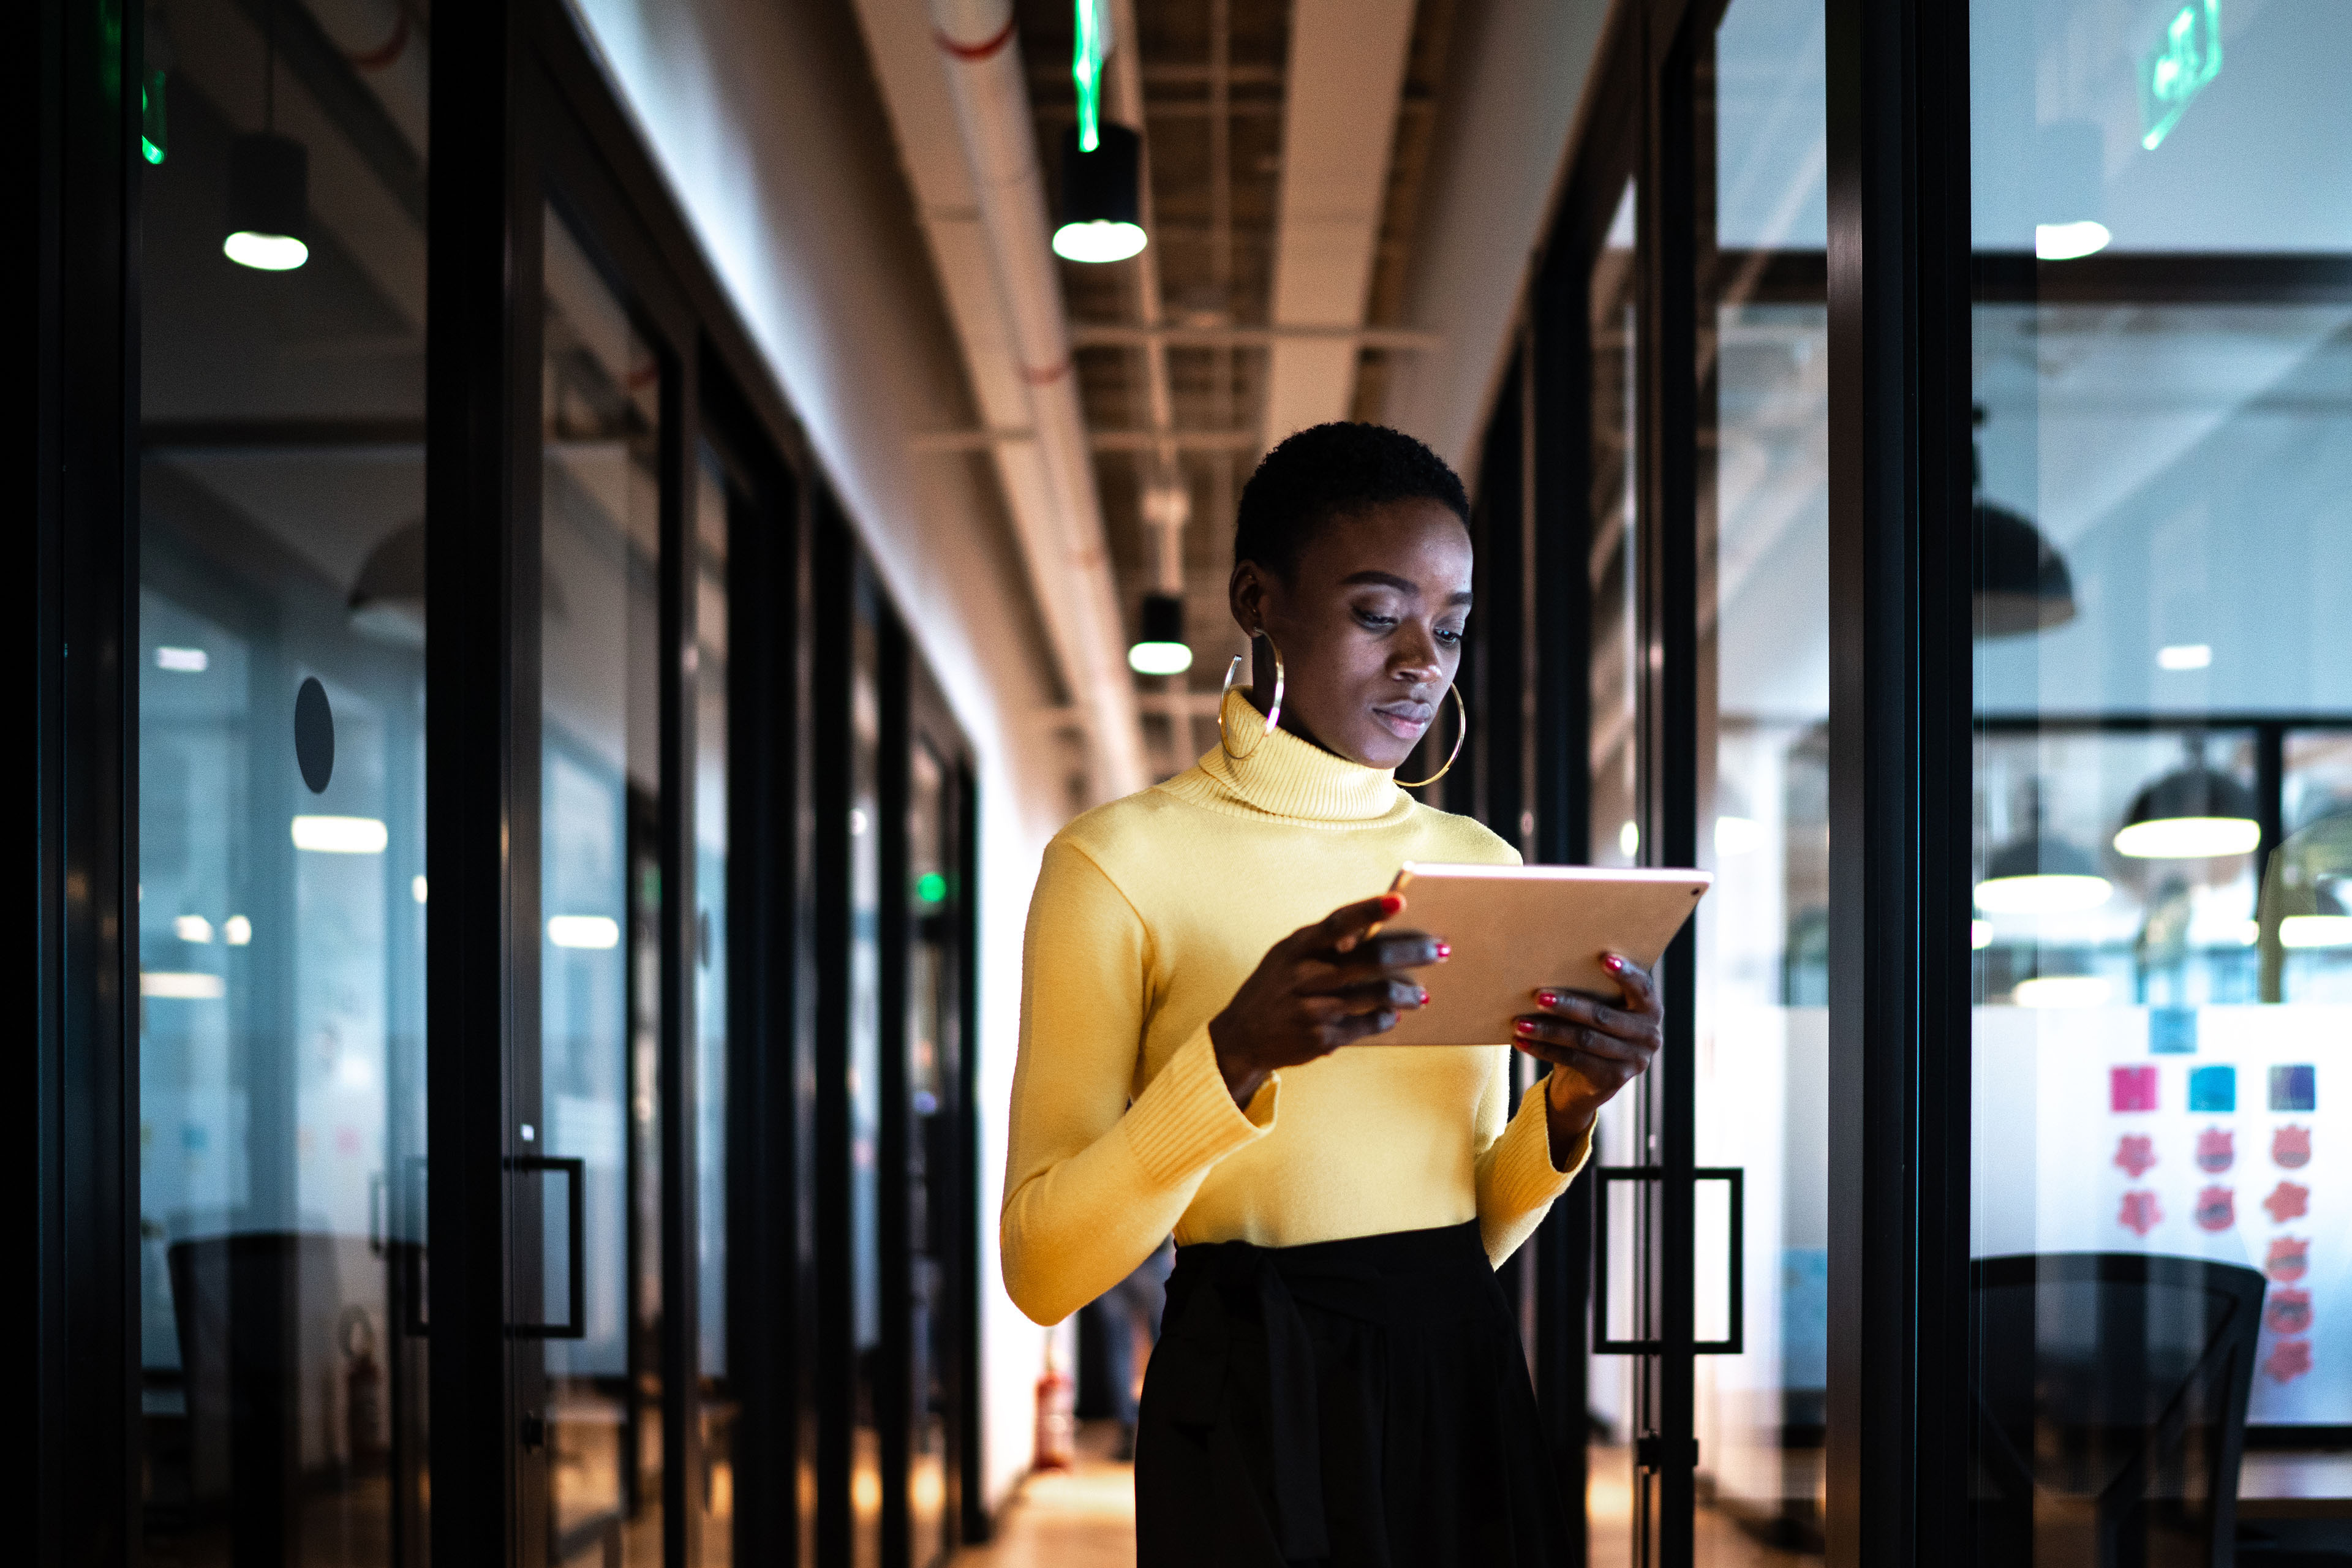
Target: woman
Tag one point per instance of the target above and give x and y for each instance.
(1338, 1379)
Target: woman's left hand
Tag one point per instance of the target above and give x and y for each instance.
(1594, 1048)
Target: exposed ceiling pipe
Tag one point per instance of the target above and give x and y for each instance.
(1338, 125)
(1055, 506)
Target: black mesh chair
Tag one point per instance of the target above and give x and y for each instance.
(2111, 1408)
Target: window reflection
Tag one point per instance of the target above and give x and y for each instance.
(281, 900)
(2162, 335)
(596, 1078)
(1763, 1023)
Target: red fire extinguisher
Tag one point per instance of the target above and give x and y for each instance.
(1057, 1420)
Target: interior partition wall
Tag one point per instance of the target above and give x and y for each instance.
(1924, 454)
(503, 955)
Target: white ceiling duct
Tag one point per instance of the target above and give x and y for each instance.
(972, 158)
(1347, 77)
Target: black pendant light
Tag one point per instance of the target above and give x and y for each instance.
(2039, 873)
(269, 183)
(1160, 646)
(1102, 205)
(2194, 813)
(2021, 584)
(1101, 212)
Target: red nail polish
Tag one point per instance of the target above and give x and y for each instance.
(1425, 994)
(1392, 902)
(1522, 1026)
(1549, 998)
(1445, 949)
(1615, 964)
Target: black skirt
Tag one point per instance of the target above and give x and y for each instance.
(1363, 1403)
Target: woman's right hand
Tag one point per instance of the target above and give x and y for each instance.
(1321, 987)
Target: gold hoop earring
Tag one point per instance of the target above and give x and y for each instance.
(1461, 734)
(1274, 714)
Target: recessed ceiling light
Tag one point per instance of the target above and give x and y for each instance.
(2184, 655)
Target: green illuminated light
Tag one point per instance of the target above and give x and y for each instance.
(151, 140)
(931, 887)
(2179, 69)
(1089, 49)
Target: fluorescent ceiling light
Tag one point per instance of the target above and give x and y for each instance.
(2041, 895)
(1737, 835)
(2189, 838)
(416, 887)
(341, 835)
(237, 930)
(264, 252)
(1159, 658)
(2316, 930)
(2062, 991)
(1980, 935)
(1098, 241)
(193, 927)
(2184, 655)
(1629, 840)
(182, 986)
(2066, 241)
(183, 660)
(594, 931)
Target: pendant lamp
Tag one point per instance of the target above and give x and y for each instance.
(1160, 646)
(1101, 206)
(2021, 584)
(2040, 873)
(1102, 163)
(2194, 813)
(269, 184)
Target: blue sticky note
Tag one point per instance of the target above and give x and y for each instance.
(2172, 1031)
(2295, 1088)
(2213, 1088)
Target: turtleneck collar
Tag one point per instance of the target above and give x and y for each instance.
(1282, 775)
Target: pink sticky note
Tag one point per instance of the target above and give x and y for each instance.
(2131, 1089)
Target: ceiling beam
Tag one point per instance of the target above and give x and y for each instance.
(1347, 80)
(1341, 338)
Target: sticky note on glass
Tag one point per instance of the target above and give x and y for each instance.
(2213, 1088)
(2131, 1089)
(2294, 1088)
(2172, 1031)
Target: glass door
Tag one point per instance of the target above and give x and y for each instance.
(1620, 1389)
(279, 808)
(586, 1156)
(1759, 1241)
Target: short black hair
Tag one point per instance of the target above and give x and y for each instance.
(1327, 471)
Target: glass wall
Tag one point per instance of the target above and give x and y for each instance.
(280, 815)
(933, 1047)
(1616, 1500)
(865, 1077)
(717, 1404)
(2163, 825)
(1763, 1020)
(596, 1082)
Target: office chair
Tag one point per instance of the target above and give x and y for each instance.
(2111, 1395)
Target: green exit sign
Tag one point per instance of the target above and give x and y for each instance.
(2179, 68)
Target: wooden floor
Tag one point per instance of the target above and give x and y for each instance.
(1083, 1517)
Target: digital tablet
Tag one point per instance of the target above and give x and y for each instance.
(1516, 929)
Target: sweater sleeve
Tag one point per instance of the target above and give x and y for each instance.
(1092, 1181)
(1517, 1180)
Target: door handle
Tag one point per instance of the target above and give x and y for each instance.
(1735, 1177)
(575, 1321)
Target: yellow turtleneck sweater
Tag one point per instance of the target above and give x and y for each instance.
(1149, 914)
